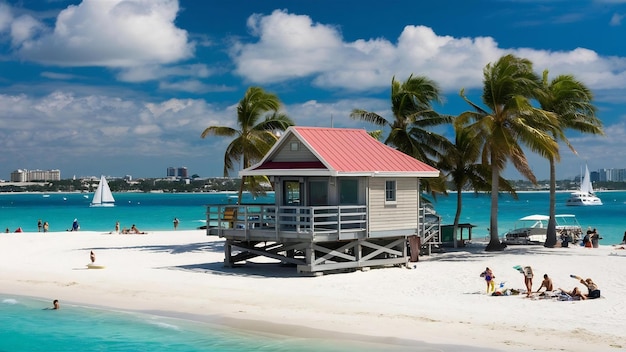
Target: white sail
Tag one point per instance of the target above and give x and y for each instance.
(585, 195)
(585, 184)
(103, 196)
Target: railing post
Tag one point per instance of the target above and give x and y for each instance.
(339, 227)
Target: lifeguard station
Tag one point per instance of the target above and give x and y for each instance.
(342, 200)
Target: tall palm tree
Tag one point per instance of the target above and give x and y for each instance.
(509, 123)
(460, 164)
(258, 120)
(571, 101)
(413, 116)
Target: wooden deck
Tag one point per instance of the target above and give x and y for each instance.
(314, 239)
(287, 223)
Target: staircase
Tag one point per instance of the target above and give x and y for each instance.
(429, 229)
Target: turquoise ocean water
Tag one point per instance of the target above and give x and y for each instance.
(149, 211)
(26, 326)
(155, 211)
(609, 219)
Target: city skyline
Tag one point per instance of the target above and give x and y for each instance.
(124, 87)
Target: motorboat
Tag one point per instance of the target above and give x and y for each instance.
(533, 229)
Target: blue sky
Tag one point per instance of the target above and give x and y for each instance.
(120, 87)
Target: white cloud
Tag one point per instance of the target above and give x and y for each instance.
(289, 46)
(60, 76)
(293, 46)
(24, 28)
(616, 19)
(6, 17)
(154, 72)
(112, 33)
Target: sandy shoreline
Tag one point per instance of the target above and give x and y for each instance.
(441, 301)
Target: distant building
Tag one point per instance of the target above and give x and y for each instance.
(615, 175)
(180, 172)
(19, 175)
(22, 175)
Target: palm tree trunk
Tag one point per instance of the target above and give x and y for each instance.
(457, 215)
(241, 186)
(551, 231)
(494, 238)
(243, 180)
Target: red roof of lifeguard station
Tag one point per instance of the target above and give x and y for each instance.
(341, 152)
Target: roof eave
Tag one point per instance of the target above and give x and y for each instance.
(287, 172)
(319, 172)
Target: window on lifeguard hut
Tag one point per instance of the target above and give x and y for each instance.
(291, 193)
(390, 191)
(318, 192)
(349, 191)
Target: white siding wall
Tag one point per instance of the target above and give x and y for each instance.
(402, 215)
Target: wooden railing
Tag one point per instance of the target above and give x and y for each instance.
(313, 220)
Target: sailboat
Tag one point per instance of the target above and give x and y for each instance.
(584, 196)
(103, 196)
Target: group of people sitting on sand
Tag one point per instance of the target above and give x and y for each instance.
(132, 231)
(576, 294)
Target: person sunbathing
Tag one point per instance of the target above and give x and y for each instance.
(575, 294)
(594, 292)
(135, 230)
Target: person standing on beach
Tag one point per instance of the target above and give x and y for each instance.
(488, 275)
(39, 225)
(528, 280)
(92, 256)
(75, 225)
(175, 223)
(117, 227)
(46, 226)
(595, 237)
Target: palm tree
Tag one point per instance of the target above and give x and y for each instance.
(508, 123)
(460, 164)
(258, 120)
(570, 100)
(413, 116)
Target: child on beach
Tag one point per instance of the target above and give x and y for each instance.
(488, 275)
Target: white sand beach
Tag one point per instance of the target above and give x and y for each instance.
(441, 301)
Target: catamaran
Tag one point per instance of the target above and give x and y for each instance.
(584, 196)
(103, 196)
